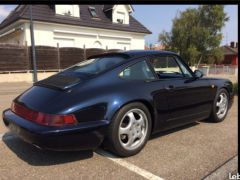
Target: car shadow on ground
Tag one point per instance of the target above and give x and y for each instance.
(37, 157)
(208, 121)
(164, 133)
(155, 136)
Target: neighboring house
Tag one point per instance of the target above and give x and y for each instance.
(156, 46)
(230, 54)
(89, 26)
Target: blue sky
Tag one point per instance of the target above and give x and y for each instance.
(159, 17)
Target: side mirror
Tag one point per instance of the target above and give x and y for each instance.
(198, 74)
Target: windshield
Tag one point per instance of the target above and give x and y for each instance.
(96, 65)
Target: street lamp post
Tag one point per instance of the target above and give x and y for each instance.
(33, 47)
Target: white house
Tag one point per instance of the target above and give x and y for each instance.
(89, 26)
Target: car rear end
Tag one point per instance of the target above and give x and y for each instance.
(40, 116)
(60, 112)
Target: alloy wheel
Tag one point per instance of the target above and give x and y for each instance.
(222, 105)
(133, 129)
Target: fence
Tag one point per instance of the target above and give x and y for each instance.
(218, 69)
(15, 58)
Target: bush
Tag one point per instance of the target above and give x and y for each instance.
(235, 88)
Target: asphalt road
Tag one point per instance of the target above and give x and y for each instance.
(189, 152)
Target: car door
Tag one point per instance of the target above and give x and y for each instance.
(188, 98)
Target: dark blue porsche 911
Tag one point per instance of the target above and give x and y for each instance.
(117, 100)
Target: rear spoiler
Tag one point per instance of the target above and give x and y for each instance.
(119, 53)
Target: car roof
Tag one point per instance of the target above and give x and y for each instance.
(135, 53)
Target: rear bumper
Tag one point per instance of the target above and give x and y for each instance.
(87, 135)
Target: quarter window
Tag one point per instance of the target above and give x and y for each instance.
(166, 67)
(138, 71)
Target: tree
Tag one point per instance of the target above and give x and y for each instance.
(196, 34)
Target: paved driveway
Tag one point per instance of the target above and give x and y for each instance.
(189, 152)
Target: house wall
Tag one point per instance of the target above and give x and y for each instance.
(73, 9)
(16, 37)
(230, 59)
(49, 34)
(118, 11)
(235, 60)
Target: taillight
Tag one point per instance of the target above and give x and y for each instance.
(42, 118)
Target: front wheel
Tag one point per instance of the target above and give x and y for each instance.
(220, 106)
(129, 130)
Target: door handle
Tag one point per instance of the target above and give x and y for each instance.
(170, 87)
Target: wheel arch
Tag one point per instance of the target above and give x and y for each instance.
(146, 103)
(228, 91)
(228, 86)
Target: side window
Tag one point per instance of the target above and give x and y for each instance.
(184, 69)
(139, 71)
(166, 67)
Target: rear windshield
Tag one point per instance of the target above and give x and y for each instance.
(96, 65)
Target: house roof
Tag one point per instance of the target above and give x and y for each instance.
(227, 50)
(46, 13)
(107, 7)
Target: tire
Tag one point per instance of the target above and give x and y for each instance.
(135, 121)
(215, 116)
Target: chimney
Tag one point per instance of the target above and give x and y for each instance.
(236, 44)
(232, 44)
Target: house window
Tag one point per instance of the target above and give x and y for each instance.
(93, 12)
(120, 14)
(120, 21)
